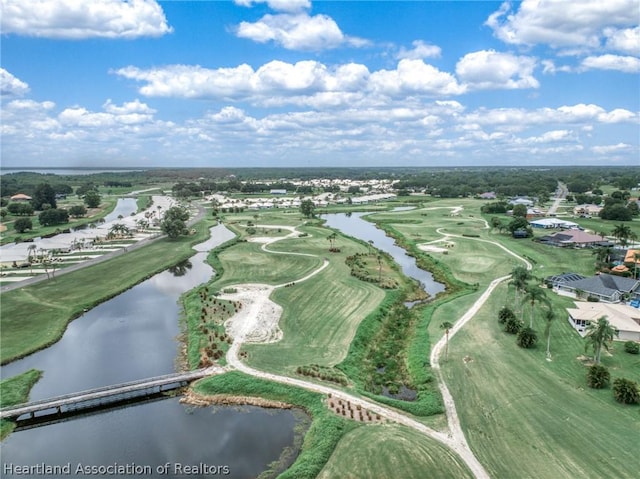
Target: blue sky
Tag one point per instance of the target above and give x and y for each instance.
(299, 83)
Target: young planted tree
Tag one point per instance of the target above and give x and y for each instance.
(505, 314)
(598, 334)
(598, 377)
(527, 338)
(446, 325)
(512, 325)
(626, 391)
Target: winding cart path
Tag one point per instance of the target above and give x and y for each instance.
(454, 438)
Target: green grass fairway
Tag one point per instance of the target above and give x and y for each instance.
(247, 263)
(526, 417)
(319, 320)
(392, 451)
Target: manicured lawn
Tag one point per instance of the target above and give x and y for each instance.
(319, 320)
(320, 315)
(381, 451)
(36, 316)
(247, 263)
(527, 417)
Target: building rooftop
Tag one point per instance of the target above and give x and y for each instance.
(621, 316)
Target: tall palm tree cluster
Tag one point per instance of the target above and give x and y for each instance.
(529, 292)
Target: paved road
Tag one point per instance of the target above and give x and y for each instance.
(561, 194)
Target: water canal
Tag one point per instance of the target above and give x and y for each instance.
(353, 225)
(129, 337)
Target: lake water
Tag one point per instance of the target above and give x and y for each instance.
(354, 225)
(124, 207)
(134, 336)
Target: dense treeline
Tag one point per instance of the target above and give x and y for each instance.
(445, 182)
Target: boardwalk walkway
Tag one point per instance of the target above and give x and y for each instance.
(107, 394)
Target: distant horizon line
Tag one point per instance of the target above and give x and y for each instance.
(142, 168)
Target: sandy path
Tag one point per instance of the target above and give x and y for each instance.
(249, 323)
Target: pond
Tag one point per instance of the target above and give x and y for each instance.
(135, 336)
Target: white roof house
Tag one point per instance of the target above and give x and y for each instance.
(622, 317)
(552, 223)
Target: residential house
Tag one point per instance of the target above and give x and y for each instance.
(632, 259)
(521, 201)
(21, 197)
(587, 210)
(553, 223)
(559, 280)
(605, 287)
(489, 195)
(575, 239)
(622, 317)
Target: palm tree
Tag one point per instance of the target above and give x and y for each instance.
(519, 277)
(622, 233)
(603, 254)
(119, 229)
(636, 259)
(598, 334)
(446, 325)
(534, 293)
(31, 250)
(550, 316)
(332, 238)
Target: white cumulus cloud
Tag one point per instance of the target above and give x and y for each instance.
(624, 64)
(420, 50)
(279, 5)
(278, 82)
(10, 85)
(75, 19)
(562, 23)
(608, 149)
(488, 69)
(625, 41)
(298, 31)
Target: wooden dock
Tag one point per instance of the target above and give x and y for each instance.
(105, 395)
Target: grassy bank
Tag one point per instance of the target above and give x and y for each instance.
(380, 451)
(34, 317)
(14, 391)
(325, 431)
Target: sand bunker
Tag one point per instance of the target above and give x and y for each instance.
(432, 249)
(257, 321)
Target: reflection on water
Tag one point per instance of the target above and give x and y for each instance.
(133, 336)
(245, 440)
(124, 207)
(181, 268)
(354, 225)
(129, 337)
